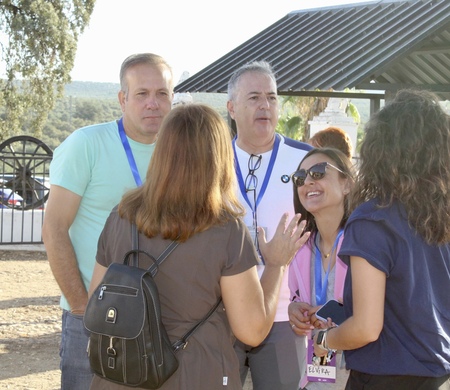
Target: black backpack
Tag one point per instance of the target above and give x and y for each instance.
(128, 343)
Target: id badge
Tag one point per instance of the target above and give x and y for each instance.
(252, 231)
(320, 369)
(253, 234)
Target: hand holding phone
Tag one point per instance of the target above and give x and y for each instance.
(332, 309)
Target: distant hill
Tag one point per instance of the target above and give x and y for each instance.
(92, 90)
(106, 91)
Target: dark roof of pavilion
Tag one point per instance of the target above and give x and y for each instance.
(376, 45)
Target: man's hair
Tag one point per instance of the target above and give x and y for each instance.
(405, 157)
(191, 183)
(333, 137)
(141, 58)
(255, 66)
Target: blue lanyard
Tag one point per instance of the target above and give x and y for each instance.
(266, 177)
(129, 153)
(321, 288)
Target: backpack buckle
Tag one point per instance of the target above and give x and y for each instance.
(179, 344)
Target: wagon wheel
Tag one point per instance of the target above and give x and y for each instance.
(24, 169)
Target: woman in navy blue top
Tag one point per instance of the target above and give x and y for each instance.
(397, 291)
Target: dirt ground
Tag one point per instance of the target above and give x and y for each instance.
(30, 322)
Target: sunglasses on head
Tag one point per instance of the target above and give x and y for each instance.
(316, 172)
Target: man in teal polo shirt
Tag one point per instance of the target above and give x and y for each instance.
(89, 173)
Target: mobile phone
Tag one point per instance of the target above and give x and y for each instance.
(332, 309)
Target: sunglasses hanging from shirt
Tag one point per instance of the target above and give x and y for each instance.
(251, 186)
(251, 183)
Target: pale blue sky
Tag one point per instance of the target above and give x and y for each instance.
(176, 30)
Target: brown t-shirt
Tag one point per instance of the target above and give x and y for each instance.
(189, 285)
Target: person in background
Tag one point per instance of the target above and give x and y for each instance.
(89, 173)
(397, 334)
(333, 137)
(262, 157)
(322, 183)
(190, 196)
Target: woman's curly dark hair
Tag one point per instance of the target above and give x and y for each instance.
(405, 156)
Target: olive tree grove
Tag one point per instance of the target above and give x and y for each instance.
(38, 41)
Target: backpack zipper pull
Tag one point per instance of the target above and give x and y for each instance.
(102, 290)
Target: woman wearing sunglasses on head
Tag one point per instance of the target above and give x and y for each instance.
(322, 183)
(397, 334)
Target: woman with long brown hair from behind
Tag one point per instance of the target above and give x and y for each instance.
(189, 196)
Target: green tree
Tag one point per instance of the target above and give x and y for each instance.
(296, 111)
(88, 110)
(38, 46)
(71, 113)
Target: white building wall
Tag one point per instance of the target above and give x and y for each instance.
(334, 115)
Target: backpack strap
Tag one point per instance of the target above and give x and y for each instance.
(153, 269)
(183, 342)
(135, 245)
(169, 249)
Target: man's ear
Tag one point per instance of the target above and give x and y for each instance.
(121, 96)
(230, 108)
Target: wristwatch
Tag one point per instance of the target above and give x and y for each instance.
(321, 340)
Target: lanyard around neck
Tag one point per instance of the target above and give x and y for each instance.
(129, 153)
(266, 177)
(321, 287)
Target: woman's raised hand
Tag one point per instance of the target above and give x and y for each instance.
(280, 250)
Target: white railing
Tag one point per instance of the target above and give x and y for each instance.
(21, 226)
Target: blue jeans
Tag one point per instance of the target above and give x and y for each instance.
(76, 371)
